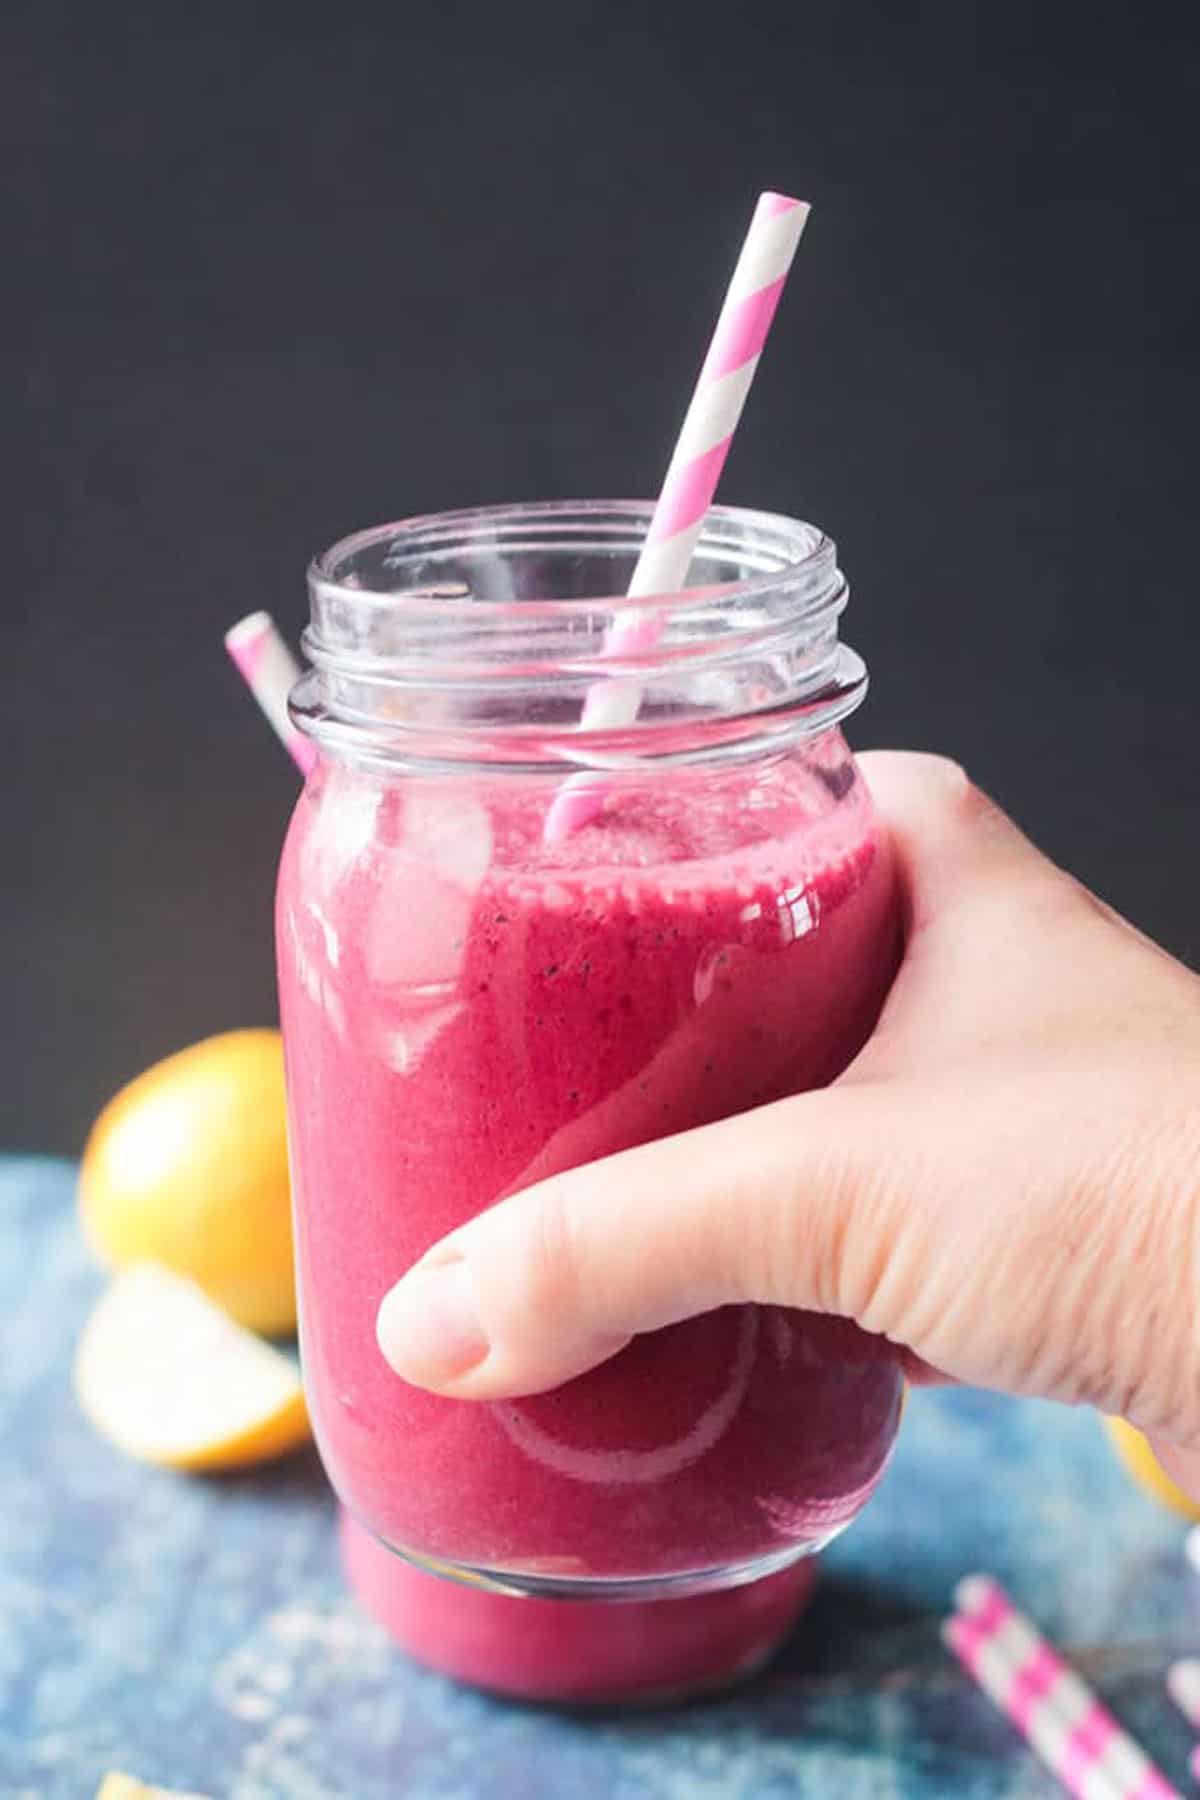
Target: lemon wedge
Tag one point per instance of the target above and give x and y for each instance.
(169, 1378)
(188, 1167)
(126, 1787)
(1145, 1468)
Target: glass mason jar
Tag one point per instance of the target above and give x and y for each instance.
(472, 1002)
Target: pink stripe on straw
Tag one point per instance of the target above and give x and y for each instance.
(1086, 1745)
(1150, 1786)
(687, 495)
(270, 671)
(1153, 1786)
(1031, 1685)
(984, 1621)
(771, 203)
(744, 332)
(694, 472)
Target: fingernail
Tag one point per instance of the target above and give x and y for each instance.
(428, 1325)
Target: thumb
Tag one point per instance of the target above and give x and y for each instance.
(556, 1279)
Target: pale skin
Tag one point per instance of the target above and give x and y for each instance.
(1005, 1183)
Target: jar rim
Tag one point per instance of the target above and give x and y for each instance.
(801, 554)
(428, 644)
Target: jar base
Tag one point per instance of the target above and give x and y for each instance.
(577, 1652)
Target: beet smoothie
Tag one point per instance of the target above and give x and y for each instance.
(466, 1010)
(648, 1652)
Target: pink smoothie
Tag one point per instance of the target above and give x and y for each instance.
(466, 1010)
(568, 1652)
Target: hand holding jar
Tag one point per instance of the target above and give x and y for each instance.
(1005, 1181)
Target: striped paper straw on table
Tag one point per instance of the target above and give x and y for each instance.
(1073, 1733)
(692, 476)
(270, 671)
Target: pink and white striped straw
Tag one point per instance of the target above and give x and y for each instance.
(692, 476)
(270, 671)
(1074, 1734)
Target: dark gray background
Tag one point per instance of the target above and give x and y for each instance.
(274, 273)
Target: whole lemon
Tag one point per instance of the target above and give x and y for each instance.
(1141, 1462)
(188, 1167)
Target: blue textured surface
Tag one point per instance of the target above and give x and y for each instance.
(195, 1632)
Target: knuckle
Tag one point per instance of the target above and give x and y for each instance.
(945, 773)
(961, 801)
(822, 1240)
(964, 803)
(944, 781)
(860, 1270)
(877, 1202)
(955, 804)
